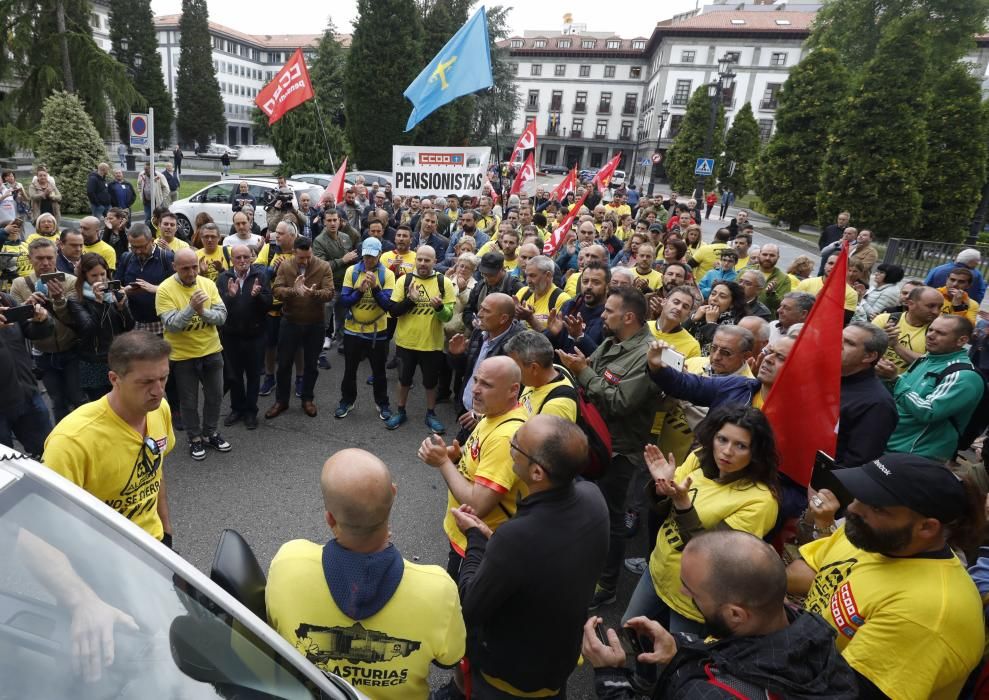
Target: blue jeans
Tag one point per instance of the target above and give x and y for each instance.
(30, 426)
(100, 210)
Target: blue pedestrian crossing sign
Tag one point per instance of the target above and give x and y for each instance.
(704, 167)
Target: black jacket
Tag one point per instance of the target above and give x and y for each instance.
(96, 190)
(510, 285)
(17, 380)
(245, 314)
(466, 362)
(97, 324)
(524, 593)
(798, 662)
(830, 234)
(593, 328)
(867, 417)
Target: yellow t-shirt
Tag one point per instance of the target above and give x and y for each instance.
(216, 262)
(177, 244)
(24, 268)
(271, 260)
(34, 236)
(911, 625)
(913, 338)
(106, 250)
(571, 286)
(386, 656)
(741, 505)
(420, 328)
(199, 338)
(540, 305)
(486, 459)
(742, 263)
(620, 210)
(971, 311)
(366, 317)
(683, 343)
(654, 279)
(814, 285)
(488, 247)
(97, 450)
(705, 257)
(533, 399)
(406, 262)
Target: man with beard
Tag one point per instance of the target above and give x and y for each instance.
(592, 253)
(908, 617)
(579, 322)
(468, 227)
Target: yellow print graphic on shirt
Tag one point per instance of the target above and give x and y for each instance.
(671, 531)
(355, 645)
(423, 306)
(831, 594)
(137, 497)
(196, 323)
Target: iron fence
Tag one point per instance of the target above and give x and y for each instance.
(917, 258)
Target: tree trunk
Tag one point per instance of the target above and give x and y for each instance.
(70, 85)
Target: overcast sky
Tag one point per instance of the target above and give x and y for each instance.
(302, 17)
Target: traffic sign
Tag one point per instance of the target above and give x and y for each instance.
(704, 167)
(657, 157)
(139, 137)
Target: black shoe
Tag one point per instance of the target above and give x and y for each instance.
(392, 363)
(450, 691)
(602, 596)
(177, 423)
(251, 421)
(232, 417)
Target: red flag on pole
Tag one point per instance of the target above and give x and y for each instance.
(812, 369)
(338, 184)
(289, 89)
(567, 184)
(560, 232)
(604, 175)
(527, 141)
(525, 176)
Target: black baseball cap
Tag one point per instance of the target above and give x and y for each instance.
(899, 479)
(491, 263)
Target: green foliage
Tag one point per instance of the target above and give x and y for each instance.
(786, 176)
(878, 148)
(501, 103)
(131, 22)
(450, 124)
(956, 156)
(689, 143)
(741, 147)
(197, 91)
(375, 79)
(69, 145)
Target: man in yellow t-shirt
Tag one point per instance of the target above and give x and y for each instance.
(957, 302)
(908, 616)
(676, 309)
(479, 474)
(213, 258)
(89, 227)
(592, 253)
(534, 301)
(546, 388)
(705, 257)
(354, 606)
(814, 285)
(168, 226)
(646, 279)
(402, 259)
(907, 330)
(115, 447)
(190, 309)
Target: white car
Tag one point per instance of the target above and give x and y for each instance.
(215, 200)
(617, 178)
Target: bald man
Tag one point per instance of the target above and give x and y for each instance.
(354, 606)
(481, 474)
(90, 228)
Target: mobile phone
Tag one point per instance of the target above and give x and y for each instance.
(672, 358)
(49, 276)
(822, 477)
(19, 313)
(631, 642)
(602, 633)
(113, 285)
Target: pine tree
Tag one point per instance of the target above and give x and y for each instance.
(787, 175)
(741, 148)
(501, 103)
(956, 156)
(878, 148)
(197, 92)
(688, 145)
(69, 145)
(375, 79)
(446, 125)
(132, 23)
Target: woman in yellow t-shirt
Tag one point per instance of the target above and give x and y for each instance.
(730, 481)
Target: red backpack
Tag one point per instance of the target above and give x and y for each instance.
(590, 421)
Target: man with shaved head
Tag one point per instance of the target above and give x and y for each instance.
(90, 227)
(357, 594)
(480, 474)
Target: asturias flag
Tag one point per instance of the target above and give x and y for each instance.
(289, 89)
(461, 67)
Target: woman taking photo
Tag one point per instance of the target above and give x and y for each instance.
(885, 292)
(98, 314)
(725, 307)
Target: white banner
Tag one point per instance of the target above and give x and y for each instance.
(439, 170)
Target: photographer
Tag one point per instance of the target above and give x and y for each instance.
(14, 261)
(279, 205)
(22, 410)
(13, 199)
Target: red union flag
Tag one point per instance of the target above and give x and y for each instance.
(526, 141)
(289, 89)
(560, 232)
(525, 176)
(567, 184)
(604, 175)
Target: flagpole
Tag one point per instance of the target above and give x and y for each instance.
(501, 184)
(319, 117)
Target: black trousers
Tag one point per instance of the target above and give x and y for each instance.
(292, 337)
(614, 488)
(355, 350)
(242, 356)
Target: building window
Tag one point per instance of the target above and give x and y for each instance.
(515, 68)
(638, 44)
(580, 103)
(609, 71)
(517, 43)
(588, 44)
(626, 132)
(560, 70)
(733, 56)
(532, 103)
(585, 71)
(676, 121)
(770, 96)
(613, 44)
(631, 102)
(738, 21)
(682, 92)
(539, 44)
(556, 101)
(94, 19)
(765, 129)
(604, 106)
(536, 69)
(635, 72)
(596, 158)
(778, 59)
(550, 155)
(577, 128)
(687, 56)
(563, 44)
(601, 129)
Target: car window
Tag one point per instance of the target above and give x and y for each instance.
(314, 194)
(219, 193)
(185, 645)
(259, 191)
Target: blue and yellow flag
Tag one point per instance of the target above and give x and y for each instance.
(461, 67)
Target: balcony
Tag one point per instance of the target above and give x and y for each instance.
(767, 104)
(580, 108)
(576, 133)
(531, 106)
(553, 131)
(555, 106)
(601, 137)
(604, 109)
(628, 109)
(679, 102)
(625, 137)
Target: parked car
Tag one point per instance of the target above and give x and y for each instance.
(324, 179)
(194, 640)
(215, 150)
(617, 178)
(588, 174)
(554, 169)
(215, 201)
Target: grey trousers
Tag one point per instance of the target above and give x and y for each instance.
(189, 376)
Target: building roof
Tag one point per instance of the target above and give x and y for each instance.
(553, 39)
(262, 41)
(744, 22)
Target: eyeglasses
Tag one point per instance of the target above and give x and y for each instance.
(514, 445)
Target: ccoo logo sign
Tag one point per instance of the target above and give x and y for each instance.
(441, 159)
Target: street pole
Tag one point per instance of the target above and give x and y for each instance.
(708, 141)
(151, 143)
(659, 143)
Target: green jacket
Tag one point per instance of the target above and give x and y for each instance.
(332, 251)
(782, 287)
(617, 382)
(933, 413)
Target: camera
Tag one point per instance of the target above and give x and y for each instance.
(286, 197)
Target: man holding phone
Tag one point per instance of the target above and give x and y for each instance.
(23, 413)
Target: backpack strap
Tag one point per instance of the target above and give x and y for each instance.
(226, 255)
(561, 392)
(480, 445)
(554, 296)
(952, 369)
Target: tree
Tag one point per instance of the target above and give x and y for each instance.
(197, 92)
(787, 175)
(132, 25)
(500, 104)
(374, 81)
(741, 148)
(69, 145)
(956, 156)
(449, 125)
(297, 137)
(688, 145)
(878, 149)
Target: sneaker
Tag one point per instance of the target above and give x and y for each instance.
(196, 450)
(327, 343)
(384, 412)
(370, 380)
(602, 596)
(344, 409)
(631, 523)
(434, 424)
(251, 421)
(267, 385)
(396, 419)
(637, 565)
(298, 387)
(392, 363)
(217, 442)
(323, 362)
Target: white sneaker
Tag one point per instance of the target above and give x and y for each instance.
(327, 343)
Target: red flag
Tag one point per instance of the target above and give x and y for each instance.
(560, 232)
(527, 141)
(289, 89)
(525, 176)
(812, 369)
(338, 184)
(604, 175)
(567, 184)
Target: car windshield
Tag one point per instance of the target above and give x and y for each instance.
(181, 644)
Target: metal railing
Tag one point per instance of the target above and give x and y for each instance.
(917, 258)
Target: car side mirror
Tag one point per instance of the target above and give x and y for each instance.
(236, 570)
